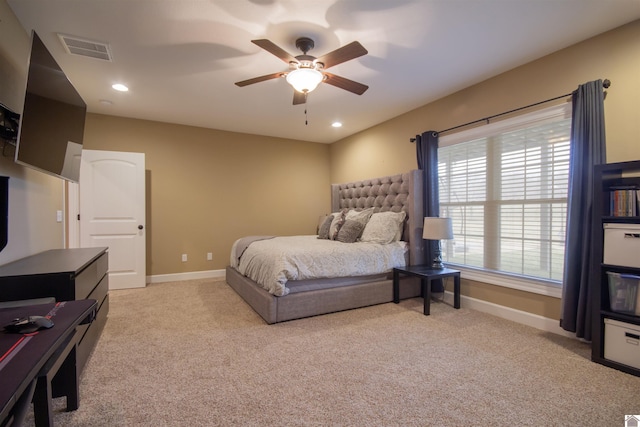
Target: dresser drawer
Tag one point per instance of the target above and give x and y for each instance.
(89, 278)
(100, 291)
(90, 334)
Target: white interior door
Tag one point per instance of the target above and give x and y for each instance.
(112, 212)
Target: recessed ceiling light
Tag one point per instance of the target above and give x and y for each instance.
(336, 124)
(120, 87)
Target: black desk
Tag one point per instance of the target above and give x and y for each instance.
(29, 362)
(426, 273)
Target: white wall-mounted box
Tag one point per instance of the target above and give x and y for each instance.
(622, 342)
(622, 244)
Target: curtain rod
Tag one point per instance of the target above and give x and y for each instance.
(605, 83)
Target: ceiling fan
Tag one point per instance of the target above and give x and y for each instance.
(306, 72)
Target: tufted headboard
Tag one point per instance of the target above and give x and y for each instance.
(402, 192)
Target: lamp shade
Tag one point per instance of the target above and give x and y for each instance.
(304, 79)
(437, 228)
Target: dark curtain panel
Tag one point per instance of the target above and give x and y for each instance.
(427, 153)
(587, 150)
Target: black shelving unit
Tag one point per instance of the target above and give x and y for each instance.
(608, 176)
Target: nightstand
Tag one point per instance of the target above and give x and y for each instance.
(426, 273)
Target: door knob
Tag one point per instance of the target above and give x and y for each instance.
(140, 227)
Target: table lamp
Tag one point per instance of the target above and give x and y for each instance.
(437, 229)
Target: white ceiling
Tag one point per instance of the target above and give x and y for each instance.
(180, 58)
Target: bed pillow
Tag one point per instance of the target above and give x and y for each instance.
(321, 220)
(350, 231)
(360, 216)
(323, 231)
(384, 227)
(336, 223)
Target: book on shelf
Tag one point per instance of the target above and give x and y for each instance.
(624, 201)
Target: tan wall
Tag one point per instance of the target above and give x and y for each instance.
(34, 197)
(206, 188)
(385, 149)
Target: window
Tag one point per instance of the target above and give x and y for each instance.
(505, 187)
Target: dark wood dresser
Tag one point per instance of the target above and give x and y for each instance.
(66, 275)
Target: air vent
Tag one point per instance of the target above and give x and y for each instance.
(83, 47)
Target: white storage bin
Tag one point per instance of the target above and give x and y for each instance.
(622, 342)
(622, 244)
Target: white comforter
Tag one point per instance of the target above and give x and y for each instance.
(273, 262)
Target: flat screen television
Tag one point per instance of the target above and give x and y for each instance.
(52, 121)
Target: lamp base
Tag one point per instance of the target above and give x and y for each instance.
(437, 260)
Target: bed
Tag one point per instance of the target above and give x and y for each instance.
(299, 296)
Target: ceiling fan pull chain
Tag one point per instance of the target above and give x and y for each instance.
(306, 117)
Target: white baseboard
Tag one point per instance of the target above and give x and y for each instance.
(519, 316)
(176, 277)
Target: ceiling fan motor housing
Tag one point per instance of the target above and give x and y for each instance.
(306, 61)
(305, 44)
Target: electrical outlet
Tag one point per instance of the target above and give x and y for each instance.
(184, 257)
(209, 256)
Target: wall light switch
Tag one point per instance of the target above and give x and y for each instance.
(59, 216)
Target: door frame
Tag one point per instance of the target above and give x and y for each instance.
(72, 210)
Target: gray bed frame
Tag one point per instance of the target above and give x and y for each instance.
(397, 192)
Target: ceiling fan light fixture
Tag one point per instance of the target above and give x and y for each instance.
(306, 72)
(304, 80)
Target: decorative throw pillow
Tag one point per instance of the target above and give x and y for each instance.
(336, 223)
(350, 231)
(360, 216)
(323, 232)
(321, 220)
(384, 227)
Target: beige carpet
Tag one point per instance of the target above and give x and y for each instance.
(194, 354)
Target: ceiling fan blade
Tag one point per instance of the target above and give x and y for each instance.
(273, 49)
(346, 84)
(345, 53)
(299, 98)
(259, 79)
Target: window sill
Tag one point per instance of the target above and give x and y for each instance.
(521, 283)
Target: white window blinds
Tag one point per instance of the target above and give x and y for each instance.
(505, 187)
